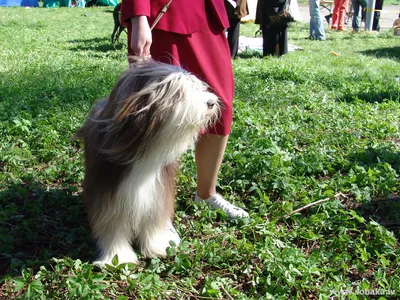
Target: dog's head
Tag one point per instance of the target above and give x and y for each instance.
(154, 105)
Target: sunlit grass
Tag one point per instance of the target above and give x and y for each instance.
(308, 126)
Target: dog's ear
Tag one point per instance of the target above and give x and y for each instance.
(125, 122)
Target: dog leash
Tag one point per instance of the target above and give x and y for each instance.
(163, 10)
(160, 14)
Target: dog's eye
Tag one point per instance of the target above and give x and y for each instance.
(210, 104)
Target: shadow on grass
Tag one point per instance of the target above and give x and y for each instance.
(391, 53)
(43, 92)
(359, 89)
(385, 211)
(370, 96)
(378, 164)
(97, 44)
(372, 156)
(40, 223)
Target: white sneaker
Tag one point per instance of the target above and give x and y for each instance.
(171, 233)
(218, 202)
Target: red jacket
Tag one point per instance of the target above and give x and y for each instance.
(183, 16)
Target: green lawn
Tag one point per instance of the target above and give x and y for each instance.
(309, 126)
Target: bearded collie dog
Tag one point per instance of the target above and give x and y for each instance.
(132, 140)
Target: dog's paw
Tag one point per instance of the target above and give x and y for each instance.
(159, 244)
(101, 263)
(120, 258)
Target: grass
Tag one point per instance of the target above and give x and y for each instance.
(308, 126)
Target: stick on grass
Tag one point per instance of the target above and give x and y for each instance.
(312, 204)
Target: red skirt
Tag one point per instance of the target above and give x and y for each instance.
(205, 54)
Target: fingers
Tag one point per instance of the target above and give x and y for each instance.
(146, 50)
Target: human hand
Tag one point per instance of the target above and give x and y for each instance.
(141, 37)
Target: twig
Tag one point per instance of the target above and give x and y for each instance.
(200, 297)
(212, 236)
(5, 223)
(226, 292)
(311, 204)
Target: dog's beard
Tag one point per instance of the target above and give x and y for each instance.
(132, 139)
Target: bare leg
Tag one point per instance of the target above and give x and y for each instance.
(210, 150)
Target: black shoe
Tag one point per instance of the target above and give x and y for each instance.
(328, 19)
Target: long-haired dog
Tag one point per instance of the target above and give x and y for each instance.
(132, 141)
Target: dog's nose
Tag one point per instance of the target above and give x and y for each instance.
(210, 104)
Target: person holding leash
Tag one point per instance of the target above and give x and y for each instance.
(191, 34)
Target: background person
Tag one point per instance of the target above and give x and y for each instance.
(236, 9)
(317, 30)
(339, 13)
(355, 24)
(377, 15)
(274, 36)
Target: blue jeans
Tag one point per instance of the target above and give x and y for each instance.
(317, 30)
(356, 7)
